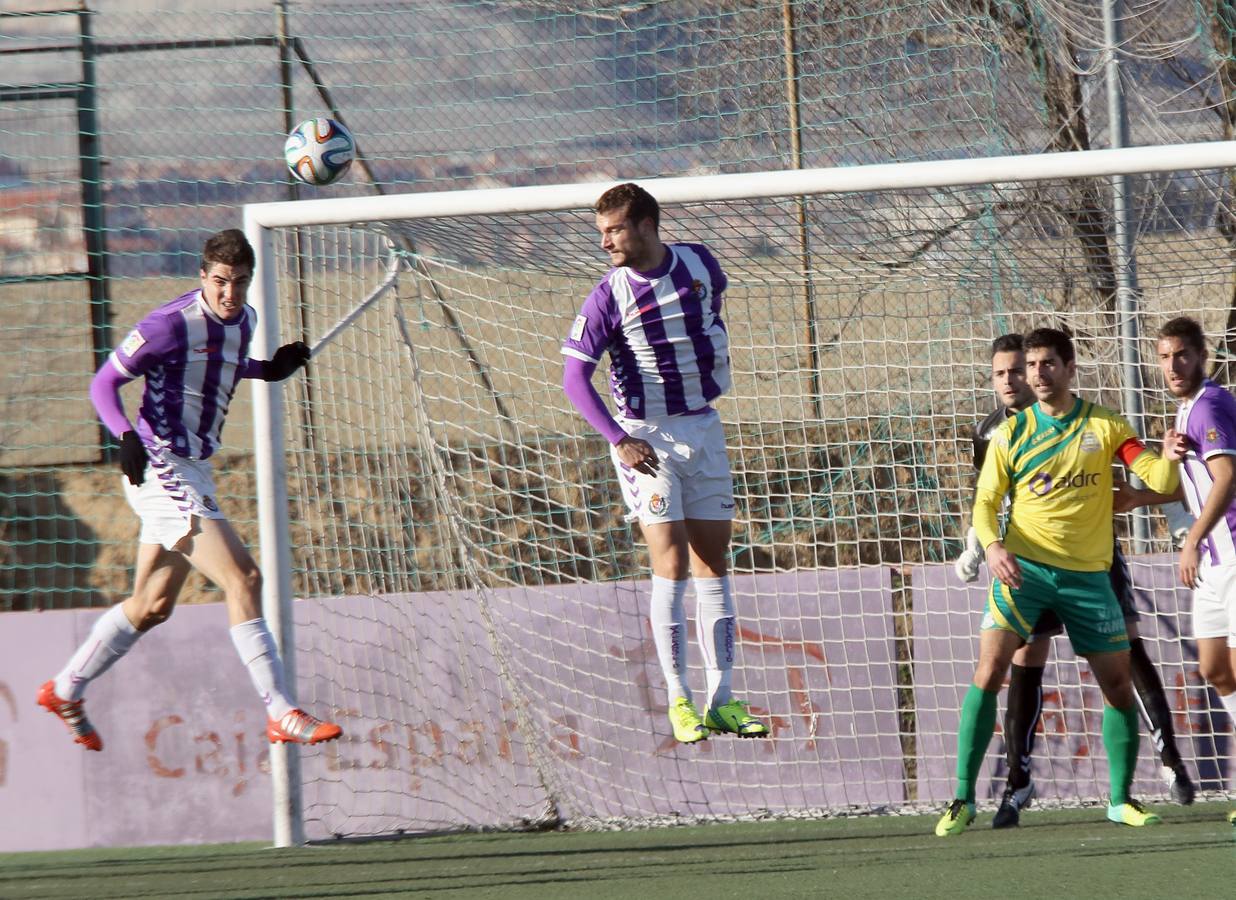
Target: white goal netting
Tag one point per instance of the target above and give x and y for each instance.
(474, 605)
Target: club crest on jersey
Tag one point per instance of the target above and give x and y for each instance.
(132, 343)
(209, 503)
(1212, 435)
(1089, 442)
(657, 505)
(697, 290)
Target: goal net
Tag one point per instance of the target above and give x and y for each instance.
(471, 603)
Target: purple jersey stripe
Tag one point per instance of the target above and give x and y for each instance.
(173, 393)
(662, 349)
(215, 336)
(626, 385)
(693, 320)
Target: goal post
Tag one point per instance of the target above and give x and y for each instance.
(470, 601)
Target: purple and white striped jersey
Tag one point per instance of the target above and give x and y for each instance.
(669, 352)
(1208, 418)
(192, 361)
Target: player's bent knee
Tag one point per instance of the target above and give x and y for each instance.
(152, 617)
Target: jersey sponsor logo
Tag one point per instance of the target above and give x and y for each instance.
(209, 348)
(635, 312)
(577, 328)
(1212, 435)
(1042, 482)
(1090, 442)
(132, 343)
(657, 505)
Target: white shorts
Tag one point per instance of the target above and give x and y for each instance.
(175, 490)
(693, 480)
(1214, 603)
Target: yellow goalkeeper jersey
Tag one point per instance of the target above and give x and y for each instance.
(1059, 473)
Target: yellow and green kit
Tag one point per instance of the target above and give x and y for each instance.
(1059, 474)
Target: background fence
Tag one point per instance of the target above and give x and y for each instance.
(130, 130)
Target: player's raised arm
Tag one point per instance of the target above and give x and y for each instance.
(1161, 475)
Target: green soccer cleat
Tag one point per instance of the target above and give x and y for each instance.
(686, 721)
(954, 821)
(1132, 813)
(733, 718)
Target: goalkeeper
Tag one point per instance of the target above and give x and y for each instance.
(191, 353)
(1025, 695)
(1054, 460)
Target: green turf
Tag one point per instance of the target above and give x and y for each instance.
(1060, 854)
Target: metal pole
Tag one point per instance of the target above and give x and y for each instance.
(274, 543)
(297, 257)
(804, 245)
(94, 222)
(1125, 260)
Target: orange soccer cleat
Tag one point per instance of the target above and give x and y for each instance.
(72, 714)
(298, 727)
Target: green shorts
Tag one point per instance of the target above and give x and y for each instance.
(1084, 601)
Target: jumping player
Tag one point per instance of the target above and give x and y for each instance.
(657, 314)
(192, 353)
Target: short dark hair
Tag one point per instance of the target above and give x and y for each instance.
(230, 247)
(638, 203)
(1007, 343)
(1187, 329)
(1051, 339)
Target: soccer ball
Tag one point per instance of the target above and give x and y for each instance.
(319, 151)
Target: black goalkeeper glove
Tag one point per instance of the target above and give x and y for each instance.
(133, 458)
(287, 359)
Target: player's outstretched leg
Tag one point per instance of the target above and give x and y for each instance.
(298, 727)
(1152, 703)
(72, 714)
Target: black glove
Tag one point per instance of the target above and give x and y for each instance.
(133, 458)
(287, 359)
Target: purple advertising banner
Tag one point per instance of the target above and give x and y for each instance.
(1069, 760)
(434, 738)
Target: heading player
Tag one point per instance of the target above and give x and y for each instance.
(192, 353)
(1024, 707)
(1054, 458)
(1206, 417)
(657, 314)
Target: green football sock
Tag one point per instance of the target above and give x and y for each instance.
(1120, 740)
(978, 723)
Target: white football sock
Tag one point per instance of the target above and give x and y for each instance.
(1229, 703)
(111, 637)
(256, 646)
(714, 626)
(668, 616)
